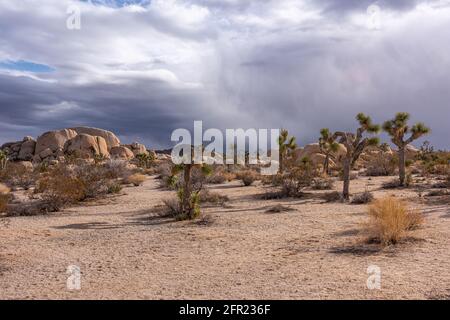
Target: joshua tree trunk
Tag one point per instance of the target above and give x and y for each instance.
(326, 164)
(280, 167)
(187, 189)
(346, 192)
(402, 165)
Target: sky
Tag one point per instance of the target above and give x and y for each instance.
(144, 68)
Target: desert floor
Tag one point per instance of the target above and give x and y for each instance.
(315, 251)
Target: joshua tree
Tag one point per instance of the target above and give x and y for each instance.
(355, 145)
(3, 159)
(328, 145)
(286, 144)
(397, 128)
(188, 195)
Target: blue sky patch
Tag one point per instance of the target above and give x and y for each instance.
(22, 65)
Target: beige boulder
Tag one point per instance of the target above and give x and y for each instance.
(137, 148)
(121, 152)
(110, 138)
(86, 146)
(411, 152)
(53, 140)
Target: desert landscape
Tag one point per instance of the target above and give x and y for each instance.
(289, 236)
(225, 155)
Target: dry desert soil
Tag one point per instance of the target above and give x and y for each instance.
(315, 251)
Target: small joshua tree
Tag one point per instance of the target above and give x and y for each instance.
(355, 144)
(287, 145)
(328, 145)
(398, 128)
(3, 159)
(187, 193)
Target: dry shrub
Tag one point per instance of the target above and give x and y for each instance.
(363, 198)
(382, 165)
(117, 168)
(68, 184)
(333, 196)
(278, 209)
(324, 183)
(390, 219)
(33, 208)
(136, 179)
(247, 177)
(4, 197)
(395, 183)
(17, 175)
(217, 177)
(211, 197)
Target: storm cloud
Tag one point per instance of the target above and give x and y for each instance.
(145, 68)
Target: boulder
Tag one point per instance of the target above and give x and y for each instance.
(110, 138)
(53, 140)
(27, 148)
(45, 153)
(86, 146)
(137, 148)
(121, 152)
(411, 152)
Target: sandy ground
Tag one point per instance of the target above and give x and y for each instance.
(312, 252)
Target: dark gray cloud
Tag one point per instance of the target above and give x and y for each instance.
(144, 71)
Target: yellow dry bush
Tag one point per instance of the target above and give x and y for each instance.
(136, 179)
(390, 219)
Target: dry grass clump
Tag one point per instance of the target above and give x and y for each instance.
(390, 219)
(136, 179)
(248, 177)
(363, 198)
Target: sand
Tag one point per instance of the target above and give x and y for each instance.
(315, 251)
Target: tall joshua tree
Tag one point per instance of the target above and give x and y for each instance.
(286, 145)
(398, 128)
(328, 145)
(355, 144)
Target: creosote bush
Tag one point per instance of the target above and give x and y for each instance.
(390, 219)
